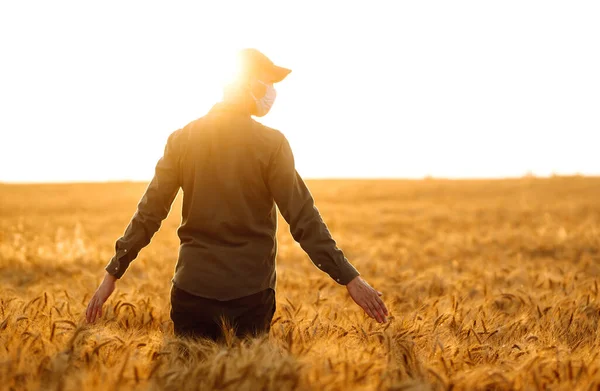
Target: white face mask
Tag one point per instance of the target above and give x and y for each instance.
(264, 104)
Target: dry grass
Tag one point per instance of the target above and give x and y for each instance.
(491, 284)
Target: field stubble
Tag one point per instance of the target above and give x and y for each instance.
(490, 284)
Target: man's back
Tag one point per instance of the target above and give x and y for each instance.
(229, 216)
(232, 170)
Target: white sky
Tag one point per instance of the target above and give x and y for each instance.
(91, 91)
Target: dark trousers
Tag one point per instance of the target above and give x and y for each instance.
(199, 317)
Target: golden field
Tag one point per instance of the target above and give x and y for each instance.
(490, 284)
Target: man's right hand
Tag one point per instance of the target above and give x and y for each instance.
(368, 299)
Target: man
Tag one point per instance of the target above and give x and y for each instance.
(233, 171)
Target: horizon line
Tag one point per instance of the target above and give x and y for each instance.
(382, 178)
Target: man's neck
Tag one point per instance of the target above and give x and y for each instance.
(239, 99)
(235, 106)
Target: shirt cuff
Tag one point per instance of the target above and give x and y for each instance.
(346, 273)
(115, 267)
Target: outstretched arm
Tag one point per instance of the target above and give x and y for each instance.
(153, 208)
(307, 227)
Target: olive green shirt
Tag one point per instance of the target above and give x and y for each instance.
(233, 171)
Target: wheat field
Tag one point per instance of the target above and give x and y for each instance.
(490, 285)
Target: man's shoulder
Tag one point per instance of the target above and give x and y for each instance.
(266, 133)
(192, 124)
(184, 131)
(271, 133)
(179, 138)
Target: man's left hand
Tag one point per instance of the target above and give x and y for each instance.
(106, 288)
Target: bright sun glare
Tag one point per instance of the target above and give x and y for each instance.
(92, 91)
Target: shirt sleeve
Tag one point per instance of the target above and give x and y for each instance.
(152, 209)
(306, 225)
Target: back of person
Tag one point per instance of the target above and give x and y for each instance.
(229, 216)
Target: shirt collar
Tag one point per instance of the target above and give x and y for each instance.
(231, 107)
